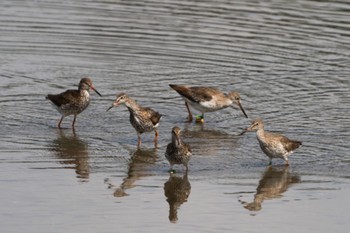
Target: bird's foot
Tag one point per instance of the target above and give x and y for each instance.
(199, 119)
(172, 171)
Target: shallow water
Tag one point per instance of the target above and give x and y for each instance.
(288, 59)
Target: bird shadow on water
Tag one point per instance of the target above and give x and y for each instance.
(71, 150)
(177, 189)
(273, 183)
(139, 166)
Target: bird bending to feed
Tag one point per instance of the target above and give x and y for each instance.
(177, 152)
(73, 102)
(143, 119)
(272, 144)
(206, 99)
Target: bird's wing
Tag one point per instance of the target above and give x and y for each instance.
(290, 145)
(203, 93)
(63, 98)
(152, 115)
(196, 94)
(188, 148)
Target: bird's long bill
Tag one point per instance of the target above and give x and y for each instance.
(110, 108)
(243, 132)
(246, 130)
(241, 107)
(96, 91)
(115, 104)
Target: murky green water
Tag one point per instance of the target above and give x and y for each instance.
(288, 59)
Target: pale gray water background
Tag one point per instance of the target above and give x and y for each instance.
(290, 60)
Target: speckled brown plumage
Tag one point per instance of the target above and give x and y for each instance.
(143, 119)
(177, 151)
(73, 102)
(272, 144)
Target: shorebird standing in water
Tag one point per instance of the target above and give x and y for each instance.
(272, 144)
(143, 119)
(73, 102)
(177, 152)
(206, 99)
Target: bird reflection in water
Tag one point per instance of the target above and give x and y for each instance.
(72, 151)
(140, 162)
(274, 182)
(177, 190)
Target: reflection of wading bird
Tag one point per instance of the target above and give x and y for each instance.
(177, 190)
(141, 118)
(272, 144)
(177, 152)
(206, 99)
(273, 183)
(139, 166)
(73, 102)
(72, 151)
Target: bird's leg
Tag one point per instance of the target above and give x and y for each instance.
(200, 118)
(156, 137)
(186, 166)
(189, 118)
(73, 123)
(138, 140)
(59, 123)
(286, 162)
(74, 134)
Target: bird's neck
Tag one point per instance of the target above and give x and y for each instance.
(84, 93)
(176, 141)
(83, 88)
(224, 100)
(260, 133)
(132, 105)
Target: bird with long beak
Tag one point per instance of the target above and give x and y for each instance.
(177, 151)
(73, 102)
(272, 144)
(143, 119)
(206, 99)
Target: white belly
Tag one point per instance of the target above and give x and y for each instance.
(206, 106)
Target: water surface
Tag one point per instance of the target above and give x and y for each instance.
(288, 59)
